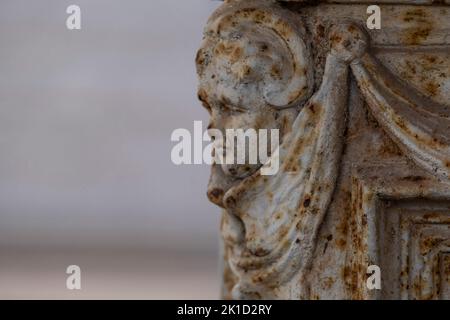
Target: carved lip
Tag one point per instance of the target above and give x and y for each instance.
(221, 183)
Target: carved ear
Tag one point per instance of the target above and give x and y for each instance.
(284, 69)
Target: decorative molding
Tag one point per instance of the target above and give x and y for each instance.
(402, 223)
(262, 65)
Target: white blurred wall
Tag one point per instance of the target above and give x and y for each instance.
(85, 124)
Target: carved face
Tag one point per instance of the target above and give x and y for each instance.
(251, 79)
(230, 89)
(226, 115)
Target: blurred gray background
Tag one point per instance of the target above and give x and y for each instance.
(85, 170)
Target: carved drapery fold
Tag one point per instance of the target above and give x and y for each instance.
(420, 126)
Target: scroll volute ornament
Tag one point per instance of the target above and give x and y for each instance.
(255, 53)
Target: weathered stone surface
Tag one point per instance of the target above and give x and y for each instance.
(364, 120)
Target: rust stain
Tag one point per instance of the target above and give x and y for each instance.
(420, 28)
(429, 243)
(432, 88)
(414, 178)
(275, 72)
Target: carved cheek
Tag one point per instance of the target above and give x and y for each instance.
(238, 121)
(264, 119)
(216, 119)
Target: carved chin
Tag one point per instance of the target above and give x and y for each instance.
(240, 170)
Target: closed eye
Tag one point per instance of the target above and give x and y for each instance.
(238, 109)
(231, 108)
